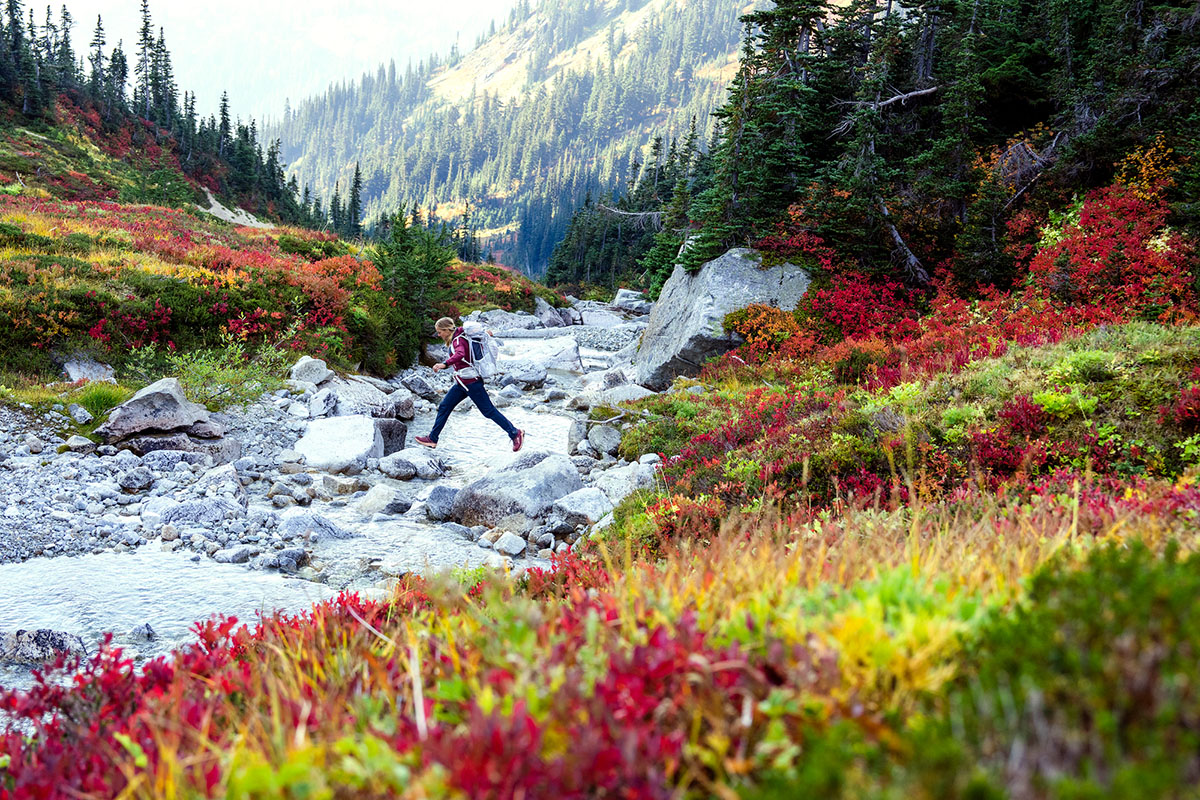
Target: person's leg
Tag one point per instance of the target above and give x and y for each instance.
(486, 407)
(453, 397)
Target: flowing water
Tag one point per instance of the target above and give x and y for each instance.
(116, 592)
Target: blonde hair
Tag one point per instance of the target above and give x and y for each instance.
(445, 324)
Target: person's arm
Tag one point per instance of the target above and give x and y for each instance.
(459, 352)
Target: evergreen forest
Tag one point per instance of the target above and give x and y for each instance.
(591, 81)
(917, 139)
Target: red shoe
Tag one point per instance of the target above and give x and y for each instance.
(425, 441)
(518, 440)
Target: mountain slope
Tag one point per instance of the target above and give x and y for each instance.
(555, 105)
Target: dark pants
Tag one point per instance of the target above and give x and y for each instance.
(479, 397)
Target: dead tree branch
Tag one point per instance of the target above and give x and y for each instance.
(912, 264)
(641, 219)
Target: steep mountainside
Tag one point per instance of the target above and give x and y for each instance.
(550, 107)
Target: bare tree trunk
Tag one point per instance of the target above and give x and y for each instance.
(912, 264)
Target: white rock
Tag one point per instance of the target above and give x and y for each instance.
(341, 444)
(312, 370)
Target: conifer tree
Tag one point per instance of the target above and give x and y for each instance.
(354, 207)
(144, 72)
(96, 80)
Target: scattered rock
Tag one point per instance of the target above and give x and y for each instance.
(209, 512)
(34, 444)
(356, 397)
(80, 444)
(383, 500)
(136, 480)
(80, 414)
(239, 554)
(84, 368)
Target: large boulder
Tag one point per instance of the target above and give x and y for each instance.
(400, 405)
(421, 387)
(620, 482)
(86, 368)
(528, 485)
(629, 300)
(439, 505)
(36, 648)
(341, 444)
(394, 433)
(686, 327)
(311, 370)
(547, 314)
(160, 407)
(221, 451)
(499, 320)
(356, 397)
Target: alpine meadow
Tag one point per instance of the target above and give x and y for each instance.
(653, 399)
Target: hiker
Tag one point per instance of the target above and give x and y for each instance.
(467, 384)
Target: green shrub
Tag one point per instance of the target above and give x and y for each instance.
(1091, 688)
(228, 375)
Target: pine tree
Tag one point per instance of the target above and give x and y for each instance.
(354, 207)
(96, 80)
(224, 133)
(143, 92)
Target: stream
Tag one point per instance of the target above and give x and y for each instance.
(117, 592)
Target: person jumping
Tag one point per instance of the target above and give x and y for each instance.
(464, 387)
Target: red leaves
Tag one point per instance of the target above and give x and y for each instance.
(1121, 256)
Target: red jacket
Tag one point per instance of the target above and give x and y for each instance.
(458, 355)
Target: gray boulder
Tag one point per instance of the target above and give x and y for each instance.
(161, 406)
(584, 507)
(421, 387)
(510, 544)
(439, 506)
(629, 300)
(428, 466)
(35, 648)
(528, 485)
(605, 438)
(394, 433)
(686, 326)
(527, 374)
(311, 370)
(546, 314)
(80, 444)
(620, 482)
(298, 523)
(165, 459)
(210, 512)
(136, 480)
(86, 368)
(397, 468)
(341, 444)
(356, 397)
(221, 451)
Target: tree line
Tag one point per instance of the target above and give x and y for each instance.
(41, 60)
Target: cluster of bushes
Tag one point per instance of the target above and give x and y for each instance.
(113, 279)
(857, 656)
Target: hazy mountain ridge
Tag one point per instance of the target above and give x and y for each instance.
(550, 107)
